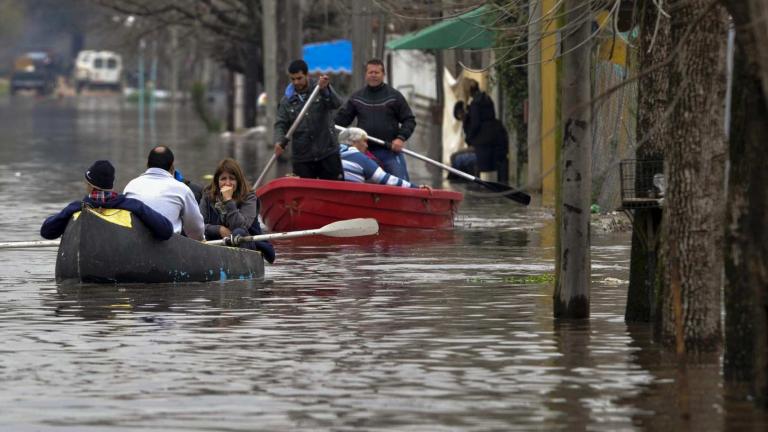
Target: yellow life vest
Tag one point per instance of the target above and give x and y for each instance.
(116, 216)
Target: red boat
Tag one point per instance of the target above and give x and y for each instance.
(292, 203)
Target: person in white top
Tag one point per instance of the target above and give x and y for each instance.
(158, 189)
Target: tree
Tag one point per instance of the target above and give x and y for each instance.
(746, 251)
(232, 27)
(11, 16)
(694, 165)
(652, 129)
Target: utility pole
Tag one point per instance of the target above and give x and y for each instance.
(571, 298)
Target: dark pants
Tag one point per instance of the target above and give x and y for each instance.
(328, 168)
(391, 162)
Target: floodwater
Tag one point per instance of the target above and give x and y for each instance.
(416, 331)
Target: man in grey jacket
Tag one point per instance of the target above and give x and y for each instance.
(315, 150)
(158, 189)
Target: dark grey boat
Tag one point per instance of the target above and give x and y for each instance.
(94, 249)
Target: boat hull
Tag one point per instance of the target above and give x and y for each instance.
(96, 250)
(292, 203)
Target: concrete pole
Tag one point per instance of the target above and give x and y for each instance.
(571, 297)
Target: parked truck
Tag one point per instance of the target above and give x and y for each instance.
(35, 71)
(98, 69)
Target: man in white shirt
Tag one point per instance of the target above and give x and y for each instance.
(158, 189)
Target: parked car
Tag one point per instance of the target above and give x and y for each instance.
(98, 69)
(34, 71)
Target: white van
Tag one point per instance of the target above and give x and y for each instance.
(98, 69)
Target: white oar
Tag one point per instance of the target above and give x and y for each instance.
(345, 228)
(511, 193)
(289, 134)
(29, 244)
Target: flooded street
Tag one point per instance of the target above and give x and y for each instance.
(413, 331)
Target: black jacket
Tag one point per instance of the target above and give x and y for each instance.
(381, 111)
(161, 228)
(481, 110)
(314, 138)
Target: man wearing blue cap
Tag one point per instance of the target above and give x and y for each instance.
(100, 179)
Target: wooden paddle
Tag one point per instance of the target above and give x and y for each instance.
(289, 134)
(345, 228)
(29, 244)
(515, 195)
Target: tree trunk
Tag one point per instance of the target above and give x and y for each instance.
(534, 97)
(695, 165)
(230, 82)
(652, 132)
(361, 40)
(289, 40)
(174, 54)
(253, 78)
(571, 298)
(746, 251)
(269, 28)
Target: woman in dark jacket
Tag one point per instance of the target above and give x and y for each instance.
(230, 208)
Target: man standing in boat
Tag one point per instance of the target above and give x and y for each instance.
(173, 199)
(315, 150)
(383, 113)
(99, 180)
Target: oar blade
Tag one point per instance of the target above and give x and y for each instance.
(515, 195)
(351, 228)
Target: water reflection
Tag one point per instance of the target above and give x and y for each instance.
(156, 303)
(409, 330)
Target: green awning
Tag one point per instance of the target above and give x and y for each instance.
(468, 31)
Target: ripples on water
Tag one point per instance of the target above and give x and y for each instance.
(418, 331)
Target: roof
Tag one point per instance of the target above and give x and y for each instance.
(329, 57)
(468, 31)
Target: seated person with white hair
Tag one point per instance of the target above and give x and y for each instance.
(360, 168)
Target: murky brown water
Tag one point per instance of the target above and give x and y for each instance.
(416, 331)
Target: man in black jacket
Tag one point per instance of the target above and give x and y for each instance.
(383, 113)
(315, 150)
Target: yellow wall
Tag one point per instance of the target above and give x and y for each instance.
(549, 43)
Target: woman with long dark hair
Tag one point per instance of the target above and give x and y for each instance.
(229, 207)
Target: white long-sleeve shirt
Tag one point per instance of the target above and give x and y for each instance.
(173, 199)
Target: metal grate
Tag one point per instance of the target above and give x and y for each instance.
(642, 183)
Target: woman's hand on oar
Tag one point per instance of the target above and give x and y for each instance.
(29, 244)
(515, 195)
(345, 228)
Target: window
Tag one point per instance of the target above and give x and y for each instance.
(111, 63)
(98, 63)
